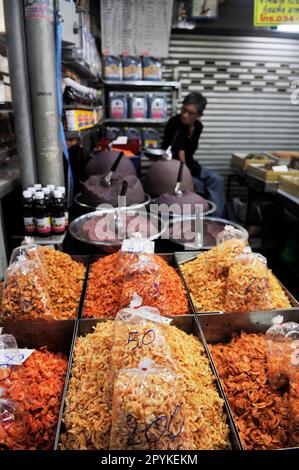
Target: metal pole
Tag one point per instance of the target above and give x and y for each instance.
(14, 25)
(41, 56)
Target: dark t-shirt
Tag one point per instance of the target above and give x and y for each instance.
(177, 135)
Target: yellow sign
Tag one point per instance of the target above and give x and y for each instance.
(275, 12)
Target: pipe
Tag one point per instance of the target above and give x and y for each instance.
(41, 56)
(14, 25)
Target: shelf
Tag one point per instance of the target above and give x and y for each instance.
(69, 135)
(70, 59)
(81, 106)
(142, 84)
(136, 121)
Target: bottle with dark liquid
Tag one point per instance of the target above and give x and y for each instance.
(42, 215)
(28, 213)
(58, 214)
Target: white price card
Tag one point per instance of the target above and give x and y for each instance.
(14, 357)
(280, 168)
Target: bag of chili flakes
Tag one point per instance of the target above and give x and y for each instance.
(148, 410)
(25, 291)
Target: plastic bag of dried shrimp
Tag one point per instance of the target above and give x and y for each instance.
(25, 291)
(294, 391)
(142, 277)
(138, 333)
(248, 287)
(13, 421)
(279, 340)
(148, 410)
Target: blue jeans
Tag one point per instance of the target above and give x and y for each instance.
(211, 185)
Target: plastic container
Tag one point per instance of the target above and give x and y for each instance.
(132, 68)
(118, 107)
(151, 138)
(112, 66)
(157, 106)
(152, 69)
(138, 107)
(133, 134)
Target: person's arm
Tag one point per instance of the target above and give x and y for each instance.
(182, 156)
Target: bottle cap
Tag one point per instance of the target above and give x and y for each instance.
(46, 191)
(39, 195)
(38, 186)
(51, 187)
(61, 189)
(57, 194)
(31, 189)
(27, 194)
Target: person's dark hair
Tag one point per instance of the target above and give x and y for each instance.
(197, 99)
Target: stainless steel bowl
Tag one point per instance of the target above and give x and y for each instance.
(113, 245)
(155, 154)
(207, 238)
(90, 208)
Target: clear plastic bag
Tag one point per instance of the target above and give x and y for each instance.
(148, 411)
(13, 425)
(279, 340)
(248, 287)
(230, 233)
(294, 392)
(139, 332)
(25, 291)
(27, 251)
(142, 277)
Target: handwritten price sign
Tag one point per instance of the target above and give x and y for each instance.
(274, 13)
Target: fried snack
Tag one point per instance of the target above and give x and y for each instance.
(148, 412)
(294, 409)
(207, 278)
(261, 414)
(105, 284)
(65, 279)
(25, 294)
(37, 387)
(248, 287)
(87, 416)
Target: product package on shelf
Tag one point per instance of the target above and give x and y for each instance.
(132, 68)
(248, 286)
(118, 105)
(148, 410)
(152, 69)
(157, 104)
(138, 106)
(112, 66)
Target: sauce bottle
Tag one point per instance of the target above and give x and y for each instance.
(62, 190)
(58, 214)
(42, 215)
(28, 213)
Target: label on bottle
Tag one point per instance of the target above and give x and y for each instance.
(29, 224)
(66, 218)
(43, 225)
(58, 224)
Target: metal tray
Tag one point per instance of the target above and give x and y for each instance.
(168, 257)
(186, 323)
(57, 335)
(183, 257)
(219, 329)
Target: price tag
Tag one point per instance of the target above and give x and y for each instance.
(14, 357)
(138, 245)
(280, 168)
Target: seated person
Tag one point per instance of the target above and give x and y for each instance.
(182, 133)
